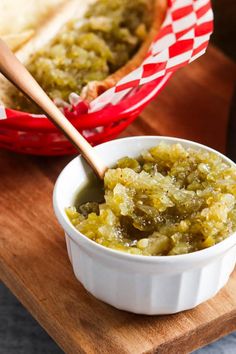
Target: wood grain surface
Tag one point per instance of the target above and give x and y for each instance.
(33, 258)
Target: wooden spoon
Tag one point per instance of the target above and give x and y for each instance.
(15, 72)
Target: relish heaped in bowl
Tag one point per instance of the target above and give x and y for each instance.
(170, 200)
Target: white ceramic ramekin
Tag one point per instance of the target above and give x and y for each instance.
(140, 284)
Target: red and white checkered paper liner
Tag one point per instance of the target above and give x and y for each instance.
(183, 37)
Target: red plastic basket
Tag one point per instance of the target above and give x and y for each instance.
(179, 42)
(40, 137)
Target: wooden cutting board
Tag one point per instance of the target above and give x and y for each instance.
(33, 258)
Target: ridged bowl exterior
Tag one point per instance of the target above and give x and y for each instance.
(144, 285)
(150, 291)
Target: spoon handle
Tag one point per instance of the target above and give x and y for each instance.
(15, 72)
